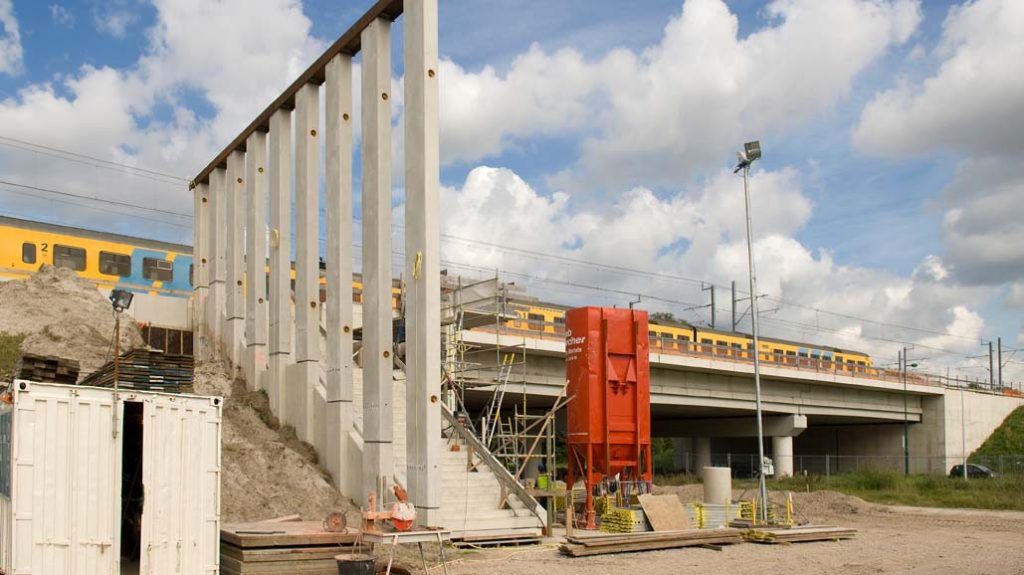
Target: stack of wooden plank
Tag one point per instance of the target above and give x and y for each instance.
(587, 545)
(279, 548)
(799, 534)
(48, 369)
(149, 370)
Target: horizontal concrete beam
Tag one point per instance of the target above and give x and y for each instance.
(774, 426)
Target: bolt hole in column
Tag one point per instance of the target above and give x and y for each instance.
(430, 73)
(387, 354)
(312, 304)
(384, 96)
(347, 329)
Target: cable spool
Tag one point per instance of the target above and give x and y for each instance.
(335, 522)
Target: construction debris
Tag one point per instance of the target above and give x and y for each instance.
(48, 369)
(801, 534)
(587, 545)
(147, 370)
(283, 547)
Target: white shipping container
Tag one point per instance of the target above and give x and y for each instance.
(78, 499)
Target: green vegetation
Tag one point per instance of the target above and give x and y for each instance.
(676, 479)
(10, 352)
(891, 487)
(1007, 439)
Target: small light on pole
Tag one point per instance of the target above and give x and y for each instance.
(751, 152)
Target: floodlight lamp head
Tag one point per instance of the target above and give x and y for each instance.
(752, 151)
(121, 299)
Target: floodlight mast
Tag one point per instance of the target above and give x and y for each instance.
(751, 152)
(120, 300)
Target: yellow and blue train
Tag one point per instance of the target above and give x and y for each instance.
(165, 269)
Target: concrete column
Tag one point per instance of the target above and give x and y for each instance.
(782, 456)
(280, 172)
(701, 454)
(422, 267)
(339, 409)
(682, 449)
(200, 270)
(218, 258)
(255, 363)
(377, 338)
(234, 325)
(303, 376)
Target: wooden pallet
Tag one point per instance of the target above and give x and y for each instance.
(799, 534)
(588, 545)
(48, 368)
(148, 370)
(292, 547)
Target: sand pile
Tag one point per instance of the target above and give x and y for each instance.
(63, 315)
(265, 471)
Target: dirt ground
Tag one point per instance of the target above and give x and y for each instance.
(265, 471)
(889, 540)
(65, 316)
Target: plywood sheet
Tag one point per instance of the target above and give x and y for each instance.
(664, 512)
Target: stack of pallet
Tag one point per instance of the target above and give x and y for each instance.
(291, 547)
(48, 369)
(587, 545)
(800, 534)
(148, 370)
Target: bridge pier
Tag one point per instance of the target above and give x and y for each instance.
(782, 455)
(701, 454)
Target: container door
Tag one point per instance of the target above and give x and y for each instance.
(181, 470)
(65, 481)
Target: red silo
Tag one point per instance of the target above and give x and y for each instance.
(609, 417)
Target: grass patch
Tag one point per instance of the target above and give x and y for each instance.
(890, 487)
(10, 352)
(676, 479)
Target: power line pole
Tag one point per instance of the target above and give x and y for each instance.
(734, 305)
(712, 288)
(1000, 358)
(991, 367)
(906, 423)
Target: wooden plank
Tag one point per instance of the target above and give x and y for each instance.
(281, 567)
(250, 555)
(664, 512)
(286, 534)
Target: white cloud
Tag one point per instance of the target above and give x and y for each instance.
(115, 17)
(973, 106)
(10, 41)
(236, 55)
(657, 115)
(61, 15)
(700, 233)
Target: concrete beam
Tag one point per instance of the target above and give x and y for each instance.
(280, 176)
(218, 259)
(255, 261)
(378, 466)
(423, 259)
(307, 259)
(339, 408)
(200, 269)
(234, 325)
(774, 426)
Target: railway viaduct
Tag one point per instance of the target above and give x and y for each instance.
(706, 404)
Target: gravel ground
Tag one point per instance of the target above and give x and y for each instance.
(889, 540)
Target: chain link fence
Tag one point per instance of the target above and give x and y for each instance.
(744, 465)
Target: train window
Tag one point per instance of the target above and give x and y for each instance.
(28, 253)
(721, 346)
(69, 257)
(861, 364)
(803, 354)
(536, 320)
(115, 264)
(683, 337)
(157, 270)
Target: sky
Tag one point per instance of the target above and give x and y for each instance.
(587, 148)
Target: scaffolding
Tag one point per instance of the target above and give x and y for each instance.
(484, 375)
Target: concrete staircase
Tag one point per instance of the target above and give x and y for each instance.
(470, 497)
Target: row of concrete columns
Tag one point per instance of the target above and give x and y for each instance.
(240, 320)
(694, 454)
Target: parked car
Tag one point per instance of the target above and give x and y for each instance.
(974, 471)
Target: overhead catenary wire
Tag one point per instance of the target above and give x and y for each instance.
(93, 161)
(92, 198)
